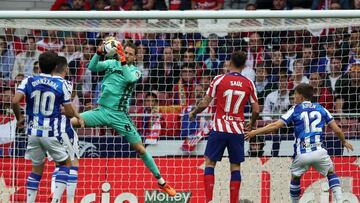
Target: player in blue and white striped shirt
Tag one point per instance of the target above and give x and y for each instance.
(310, 120)
(44, 96)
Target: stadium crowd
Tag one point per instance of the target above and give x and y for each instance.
(178, 68)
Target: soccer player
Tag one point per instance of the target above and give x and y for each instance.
(309, 120)
(116, 90)
(44, 96)
(70, 139)
(232, 91)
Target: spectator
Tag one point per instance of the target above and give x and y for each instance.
(335, 5)
(275, 65)
(322, 94)
(330, 47)
(71, 51)
(213, 62)
(355, 4)
(355, 49)
(233, 41)
(255, 54)
(251, 6)
(36, 69)
(142, 62)
(150, 5)
(163, 77)
(74, 4)
(298, 75)
(347, 91)
(150, 106)
(100, 5)
(189, 56)
(183, 90)
(86, 80)
(205, 79)
(280, 5)
(119, 5)
(256, 146)
(278, 101)
(5, 105)
(50, 43)
(179, 4)
(13, 42)
(238, 4)
(24, 62)
(7, 59)
(310, 61)
(207, 4)
(335, 73)
(176, 46)
(156, 48)
(330, 4)
(263, 86)
(288, 47)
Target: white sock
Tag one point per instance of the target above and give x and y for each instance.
(295, 199)
(71, 185)
(53, 177)
(161, 181)
(60, 183)
(31, 196)
(337, 192)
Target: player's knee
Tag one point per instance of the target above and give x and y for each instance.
(209, 163)
(38, 169)
(66, 162)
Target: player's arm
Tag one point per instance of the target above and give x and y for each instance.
(265, 130)
(69, 110)
(255, 108)
(95, 65)
(131, 73)
(340, 134)
(203, 104)
(15, 103)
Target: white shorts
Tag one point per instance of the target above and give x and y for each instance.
(72, 147)
(38, 147)
(318, 159)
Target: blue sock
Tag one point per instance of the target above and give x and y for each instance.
(295, 189)
(73, 174)
(53, 177)
(209, 171)
(33, 181)
(333, 180)
(32, 186)
(235, 176)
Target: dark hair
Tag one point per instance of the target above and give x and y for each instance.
(238, 59)
(306, 90)
(26, 38)
(47, 62)
(131, 45)
(153, 95)
(189, 65)
(61, 64)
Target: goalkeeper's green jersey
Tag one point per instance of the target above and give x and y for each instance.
(118, 83)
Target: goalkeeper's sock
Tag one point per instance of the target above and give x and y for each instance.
(32, 186)
(334, 185)
(295, 190)
(209, 180)
(235, 183)
(53, 177)
(71, 184)
(60, 183)
(150, 164)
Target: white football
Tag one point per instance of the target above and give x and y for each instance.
(110, 48)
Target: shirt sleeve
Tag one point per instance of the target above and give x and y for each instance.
(98, 66)
(22, 87)
(67, 90)
(211, 91)
(327, 116)
(253, 95)
(288, 116)
(131, 73)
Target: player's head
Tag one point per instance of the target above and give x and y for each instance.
(130, 51)
(237, 60)
(47, 62)
(61, 67)
(303, 92)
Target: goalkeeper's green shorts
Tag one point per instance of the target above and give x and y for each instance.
(119, 120)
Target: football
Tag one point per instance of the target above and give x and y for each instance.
(110, 48)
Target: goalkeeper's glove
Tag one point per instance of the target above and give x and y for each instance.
(101, 49)
(120, 51)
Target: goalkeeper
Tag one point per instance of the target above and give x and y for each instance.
(116, 90)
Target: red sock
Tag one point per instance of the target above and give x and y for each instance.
(234, 191)
(209, 181)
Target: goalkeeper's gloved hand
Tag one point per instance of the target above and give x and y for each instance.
(120, 51)
(101, 49)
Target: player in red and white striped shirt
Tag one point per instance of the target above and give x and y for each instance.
(232, 91)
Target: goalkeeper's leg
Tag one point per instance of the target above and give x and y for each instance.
(151, 165)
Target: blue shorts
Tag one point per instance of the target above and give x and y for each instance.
(217, 143)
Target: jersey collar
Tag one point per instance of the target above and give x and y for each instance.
(306, 102)
(45, 75)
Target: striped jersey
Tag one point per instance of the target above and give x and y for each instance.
(44, 96)
(309, 121)
(232, 91)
